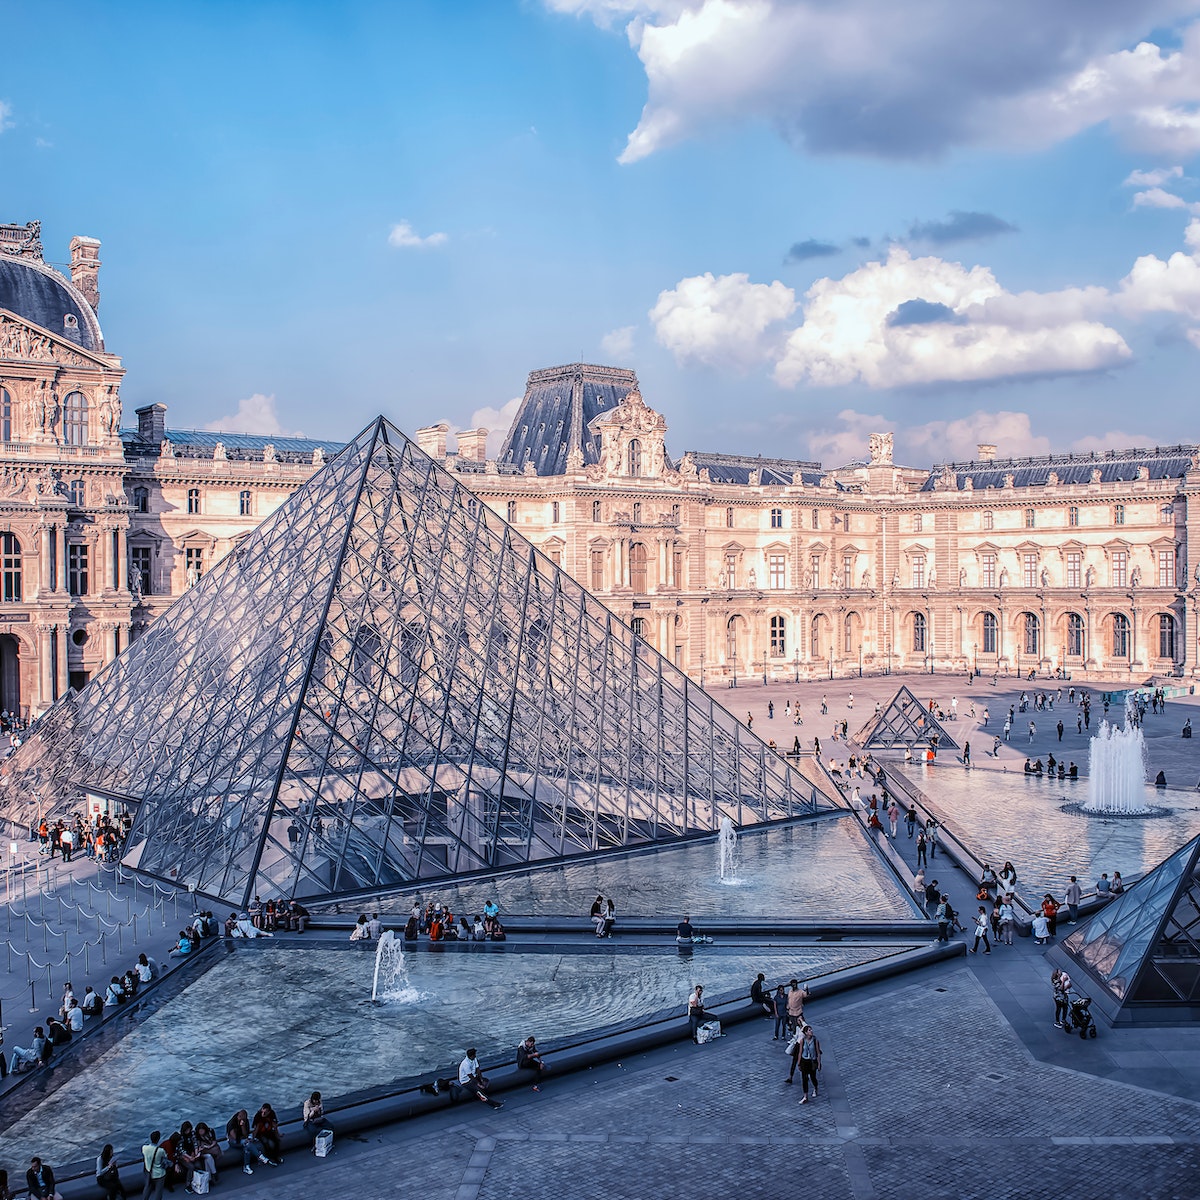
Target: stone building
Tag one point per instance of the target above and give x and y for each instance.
(741, 568)
(738, 568)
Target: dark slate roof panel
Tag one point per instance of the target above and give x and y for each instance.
(1115, 466)
(773, 472)
(39, 294)
(201, 443)
(556, 413)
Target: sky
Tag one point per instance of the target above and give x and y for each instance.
(799, 221)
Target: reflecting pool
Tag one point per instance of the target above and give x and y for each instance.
(1019, 817)
(821, 869)
(273, 1023)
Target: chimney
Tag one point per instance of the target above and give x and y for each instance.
(986, 453)
(152, 423)
(85, 268)
(432, 439)
(472, 444)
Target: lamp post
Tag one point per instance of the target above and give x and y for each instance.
(796, 663)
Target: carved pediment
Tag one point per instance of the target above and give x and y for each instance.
(31, 343)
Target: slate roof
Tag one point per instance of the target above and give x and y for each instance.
(736, 468)
(556, 414)
(40, 294)
(239, 447)
(1115, 466)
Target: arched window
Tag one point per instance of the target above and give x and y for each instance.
(1166, 635)
(1120, 636)
(920, 629)
(10, 563)
(638, 625)
(75, 419)
(141, 499)
(848, 634)
(990, 640)
(1074, 635)
(1033, 632)
(6, 416)
(635, 457)
(637, 567)
(731, 640)
(778, 637)
(814, 640)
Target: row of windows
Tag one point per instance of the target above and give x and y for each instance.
(74, 418)
(141, 502)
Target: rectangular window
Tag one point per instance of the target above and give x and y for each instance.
(918, 522)
(729, 518)
(76, 493)
(555, 512)
(1029, 564)
(847, 571)
(139, 561)
(777, 518)
(53, 560)
(778, 637)
(918, 571)
(777, 572)
(1120, 568)
(193, 561)
(193, 501)
(245, 505)
(677, 568)
(1119, 514)
(1073, 515)
(637, 512)
(846, 522)
(595, 511)
(989, 570)
(675, 514)
(554, 554)
(77, 570)
(597, 559)
(141, 499)
(731, 571)
(1166, 568)
(1074, 569)
(1166, 515)
(989, 520)
(816, 518)
(512, 512)
(814, 565)
(1030, 518)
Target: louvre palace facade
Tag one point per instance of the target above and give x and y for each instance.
(736, 568)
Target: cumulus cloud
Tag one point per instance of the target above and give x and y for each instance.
(840, 445)
(618, 343)
(811, 248)
(255, 414)
(725, 320)
(1157, 197)
(1153, 179)
(496, 421)
(938, 441)
(911, 80)
(959, 226)
(1114, 437)
(404, 237)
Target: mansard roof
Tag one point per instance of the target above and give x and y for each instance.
(1115, 466)
(772, 472)
(556, 413)
(239, 447)
(39, 294)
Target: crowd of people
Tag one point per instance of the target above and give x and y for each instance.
(100, 837)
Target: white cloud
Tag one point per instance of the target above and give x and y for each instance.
(938, 441)
(1153, 179)
(1157, 197)
(6, 116)
(405, 237)
(725, 320)
(836, 447)
(1107, 441)
(910, 80)
(617, 345)
(256, 414)
(496, 421)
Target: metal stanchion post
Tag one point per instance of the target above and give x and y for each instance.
(103, 950)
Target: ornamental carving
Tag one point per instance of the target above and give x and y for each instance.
(17, 340)
(13, 483)
(881, 449)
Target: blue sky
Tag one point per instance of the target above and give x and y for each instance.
(799, 222)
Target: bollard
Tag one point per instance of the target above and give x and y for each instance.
(46, 939)
(120, 948)
(49, 983)
(78, 919)
(133, 925)
(87, 970)
(103, 950)
(33, 1004)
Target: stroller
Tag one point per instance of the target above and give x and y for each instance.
(1079, 1019)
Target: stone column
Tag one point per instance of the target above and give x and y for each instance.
(45, 634)
(62, 636)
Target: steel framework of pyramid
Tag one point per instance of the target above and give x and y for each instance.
(385, 683)
(904, 720)
(1143, 947)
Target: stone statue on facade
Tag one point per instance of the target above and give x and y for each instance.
(135, 583)
(1089, 577)
(881, 448)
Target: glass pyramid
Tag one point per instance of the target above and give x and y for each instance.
(903, 721)
(386, 683)
(1144, 946)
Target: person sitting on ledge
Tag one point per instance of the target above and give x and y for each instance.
(529, 1059)
(478, 933)
(1062, 770)
(1187, 728)
(685, 934)
(22, 1058)
(471, 1080)
(298, 917)
(464, 929)
(360, 932)
(1038, 769)
(497, 933)
(241, 1137)
(1160, 780)
(1073, 771)
(92, 1003)
(760, 994)
(1104, 887)
(1118, 884)
(1028, 767)
(231, 924)
(182, 947)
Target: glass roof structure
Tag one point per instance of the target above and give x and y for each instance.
(384, 684)
(904, 721)
(1144, 946)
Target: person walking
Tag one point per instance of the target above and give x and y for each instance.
(893, 812)
(1007, 920)
(807, 1053)
(919, 889)
(966, 754)
(943, 918)
(154, 1168)
(981, 931)
(910, 819)
(922, 848)
(1073, 897)
(1059, 727)
(1032, 732)
(931, 836)
(995, 747)
(779, 1001)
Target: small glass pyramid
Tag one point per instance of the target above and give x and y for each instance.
(903, 721)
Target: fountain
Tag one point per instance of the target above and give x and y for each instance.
(391, 975)
(1117, 772)
(727, 851)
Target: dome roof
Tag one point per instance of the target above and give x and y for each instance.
(36, 293)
